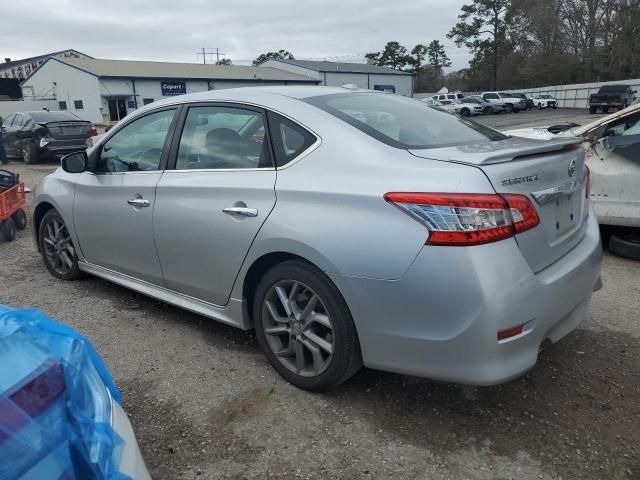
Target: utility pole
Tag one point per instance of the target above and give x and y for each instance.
(211, 53)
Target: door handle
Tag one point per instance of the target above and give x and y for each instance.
(138, 202)
(247, 212)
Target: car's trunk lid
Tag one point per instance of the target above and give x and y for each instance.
(550, 173)
(68, 130)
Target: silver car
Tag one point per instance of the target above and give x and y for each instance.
(347, 227)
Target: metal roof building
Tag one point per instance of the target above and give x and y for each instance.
(103, 90)
(336, 74)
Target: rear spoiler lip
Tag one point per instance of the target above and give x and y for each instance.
(62, 123)
(477, 154)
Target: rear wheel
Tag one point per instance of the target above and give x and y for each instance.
(593, 110)
(8, 229)
(516, 110)
(626, 245)
(20, 219)
(304, 327)
(605, 109)
(29, 153)
(509, 107)
(57, 249)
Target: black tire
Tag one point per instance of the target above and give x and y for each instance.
(488, 110)
(74, 272)
(8, 229)
(29, 153)
(516, 110)
(593, 110)
(20, 219)
(605, 109)
(465, 112)
(539, 106)
(509, 107)
(625, 245)
(555, 107)
(346, 358)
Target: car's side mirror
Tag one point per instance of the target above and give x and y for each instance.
(75, 162)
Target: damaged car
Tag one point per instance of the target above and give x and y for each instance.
(612, 148)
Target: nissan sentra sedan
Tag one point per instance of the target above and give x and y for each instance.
(347, 227)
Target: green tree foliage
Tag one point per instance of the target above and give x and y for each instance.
(393, 56)
(224, 61)
(279, 55)
(438, 58)
(482, 29)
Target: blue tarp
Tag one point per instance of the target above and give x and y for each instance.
(55, 408)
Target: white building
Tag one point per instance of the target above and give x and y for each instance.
(337, 74)
(106, 90)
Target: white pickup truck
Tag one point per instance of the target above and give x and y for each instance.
(509, 101)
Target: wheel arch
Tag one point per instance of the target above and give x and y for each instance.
(258, 268)
(38, 214)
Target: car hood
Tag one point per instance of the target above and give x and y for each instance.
(604, 120)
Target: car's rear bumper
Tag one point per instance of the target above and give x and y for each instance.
(59, 148)
(440, 320)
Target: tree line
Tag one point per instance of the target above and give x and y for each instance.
(524, 43)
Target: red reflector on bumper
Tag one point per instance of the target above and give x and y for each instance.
(510, 332)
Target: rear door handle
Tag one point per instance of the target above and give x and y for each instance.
(138, 202)
(247, 212)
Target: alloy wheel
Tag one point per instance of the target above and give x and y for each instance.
(298, 328)
(58, 247)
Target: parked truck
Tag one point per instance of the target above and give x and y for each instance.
(611, 96)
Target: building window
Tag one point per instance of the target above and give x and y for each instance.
(77, 104)
(62, 105)
(147, 101)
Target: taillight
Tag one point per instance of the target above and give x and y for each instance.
(462, 219)
(94, 131)
(587, 189)
(31, 399)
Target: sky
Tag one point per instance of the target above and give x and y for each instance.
(165, 30)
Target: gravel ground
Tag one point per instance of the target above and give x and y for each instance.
(205, 403)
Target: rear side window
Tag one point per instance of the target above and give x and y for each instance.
(402, 122)
(289, 138)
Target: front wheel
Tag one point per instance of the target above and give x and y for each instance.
(20, 219)
(304, 327)
(465, 112)
(8, 229)
(29, 153)
(57, 249)
(593, 110)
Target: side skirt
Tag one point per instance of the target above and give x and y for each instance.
(231, 314)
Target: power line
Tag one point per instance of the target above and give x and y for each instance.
(210, 53)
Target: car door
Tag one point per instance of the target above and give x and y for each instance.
(615, 169)
(211, 204)
(114, 202)
(10, 134)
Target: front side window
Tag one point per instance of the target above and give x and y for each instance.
(289, 138)
(629, 125)
(222, 138)
(138, 146)
(9, 120)
(402, 122)
(17, 122)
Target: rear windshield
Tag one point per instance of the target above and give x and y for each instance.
(44, 117)
(402, 122)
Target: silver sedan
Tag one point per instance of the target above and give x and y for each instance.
(347, 227)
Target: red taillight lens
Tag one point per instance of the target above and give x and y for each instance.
(510, 332)
(32, 398)
(463, 219)
(94, 131)
(587, 190)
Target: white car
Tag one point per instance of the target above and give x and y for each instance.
(448, 96)
(545, 101)
(509, 101)
(450, 106)
(612, 147)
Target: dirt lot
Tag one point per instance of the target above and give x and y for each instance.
(205, 403)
